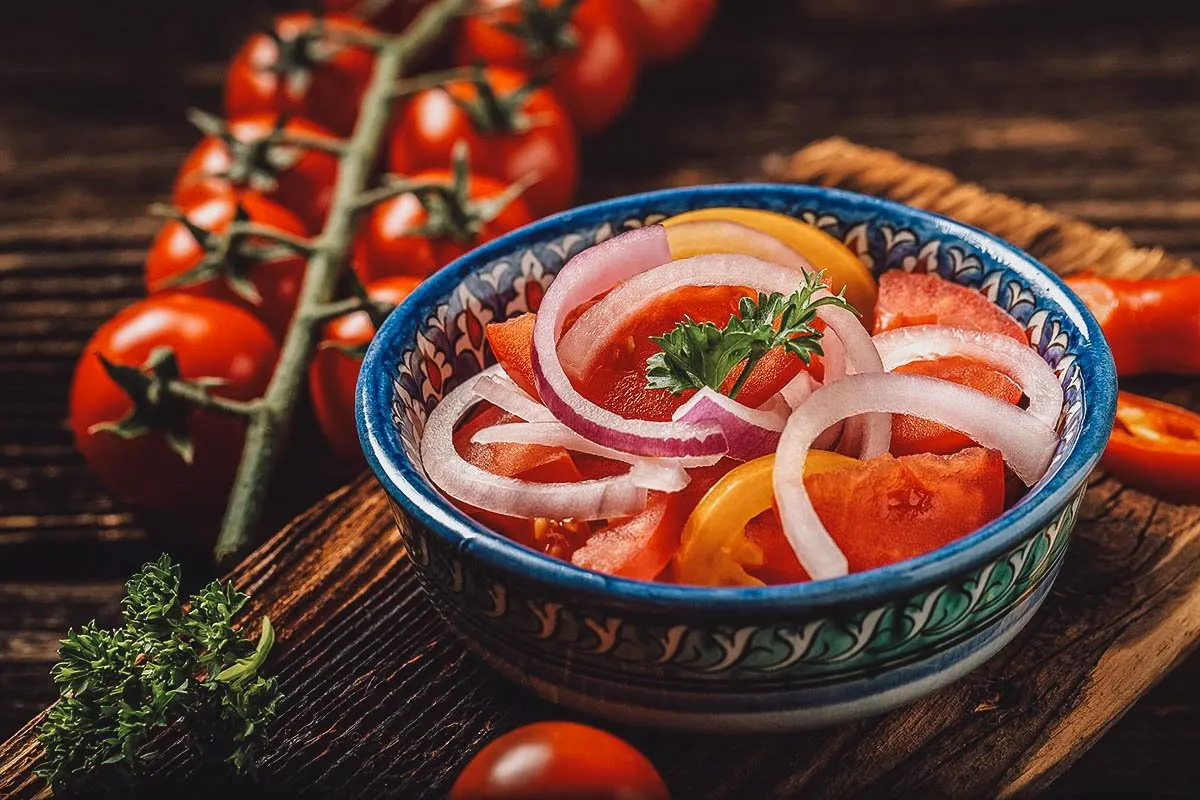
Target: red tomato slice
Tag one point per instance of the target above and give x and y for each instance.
(512, 344)
(907, 298)
(640, 547)
(890, 509)
(915, 435)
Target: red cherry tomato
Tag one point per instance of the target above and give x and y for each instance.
(301, 69)
(333, 374)
(670, 28)
(177, 252)
(559, 760)
(298, 179)
(890, 509)
(511, 135)
(386, 15)
(390, 241)
(210, 340)
(593, 55)
(907, 298)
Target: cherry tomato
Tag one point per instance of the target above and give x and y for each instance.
(890, 509)
(210, 339)
(302, 69)
(593, 54)
(915, 435)
(187, 259)
(390, 241)
(669, 28)
(386, 15)
(300, 180)
(333, 374)
(907, 298)
(512, 133)
(560, 760)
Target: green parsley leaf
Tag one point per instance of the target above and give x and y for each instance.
(698, 354)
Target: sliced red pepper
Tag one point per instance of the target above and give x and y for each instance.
(912, 435)
(1155, 448)
(907, 298)
(1152, 325)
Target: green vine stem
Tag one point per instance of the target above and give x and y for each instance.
(269, 419)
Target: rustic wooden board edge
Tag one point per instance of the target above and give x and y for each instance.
(1010, 729)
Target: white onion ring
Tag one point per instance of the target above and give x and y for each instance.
(1026, 443)
(589, 273)
(604, 498)
(1003, 353)
(502, 392)
(750, 432)
(661, 474)
(641, 291)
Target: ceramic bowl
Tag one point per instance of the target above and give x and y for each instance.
(730, 659)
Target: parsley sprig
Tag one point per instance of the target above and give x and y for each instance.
(698, 354)
(169, 662)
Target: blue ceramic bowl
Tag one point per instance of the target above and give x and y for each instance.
(750, 659)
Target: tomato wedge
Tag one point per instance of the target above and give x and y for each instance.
(907, 298)
(912, 435)
(1155, 448)
(512, 344)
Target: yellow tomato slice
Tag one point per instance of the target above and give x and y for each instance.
(822, 250)
(713, 550)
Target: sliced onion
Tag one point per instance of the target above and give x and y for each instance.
(502, 392)
(1026, 443)
(591, 272)
(750, 432)
(642, 290)
(1003, 353)
(661, 474)
(604, 498)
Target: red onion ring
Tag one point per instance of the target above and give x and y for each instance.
(589, 273)
(604, 498)
(1026, 443)
(642, 290)
(750, 432)
(1035, 377)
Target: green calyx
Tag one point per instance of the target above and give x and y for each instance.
(545, 32)
(451, 211)
(298, 55)
(155, 406)
(254, 163)
(492, 113)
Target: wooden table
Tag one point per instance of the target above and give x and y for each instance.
(1089, 114)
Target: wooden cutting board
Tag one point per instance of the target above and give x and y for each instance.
(381, 700)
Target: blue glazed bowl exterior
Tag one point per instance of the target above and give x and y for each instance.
(775, 657)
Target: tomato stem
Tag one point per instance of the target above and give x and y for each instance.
(199, 397)
(430, 80)
(271, 416)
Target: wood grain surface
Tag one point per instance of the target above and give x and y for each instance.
(1085, 108)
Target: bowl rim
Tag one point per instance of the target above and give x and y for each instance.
(408, 488)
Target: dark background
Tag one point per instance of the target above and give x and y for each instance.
(1088, 108)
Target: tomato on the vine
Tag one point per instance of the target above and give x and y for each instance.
(560, 760)
(245, 152)
(590, 48)
(333, 374)
(209, 339)
(419, 232)
(514, 129)
(193, 255)
(303, 66)
(669, 28)
(386, 15)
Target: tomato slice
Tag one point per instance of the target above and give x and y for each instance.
(890, 509)
(912, 435)
(907, 298)
(529, 462)
(512, 344)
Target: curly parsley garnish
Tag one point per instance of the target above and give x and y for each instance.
(169, 662)
(698, 354)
